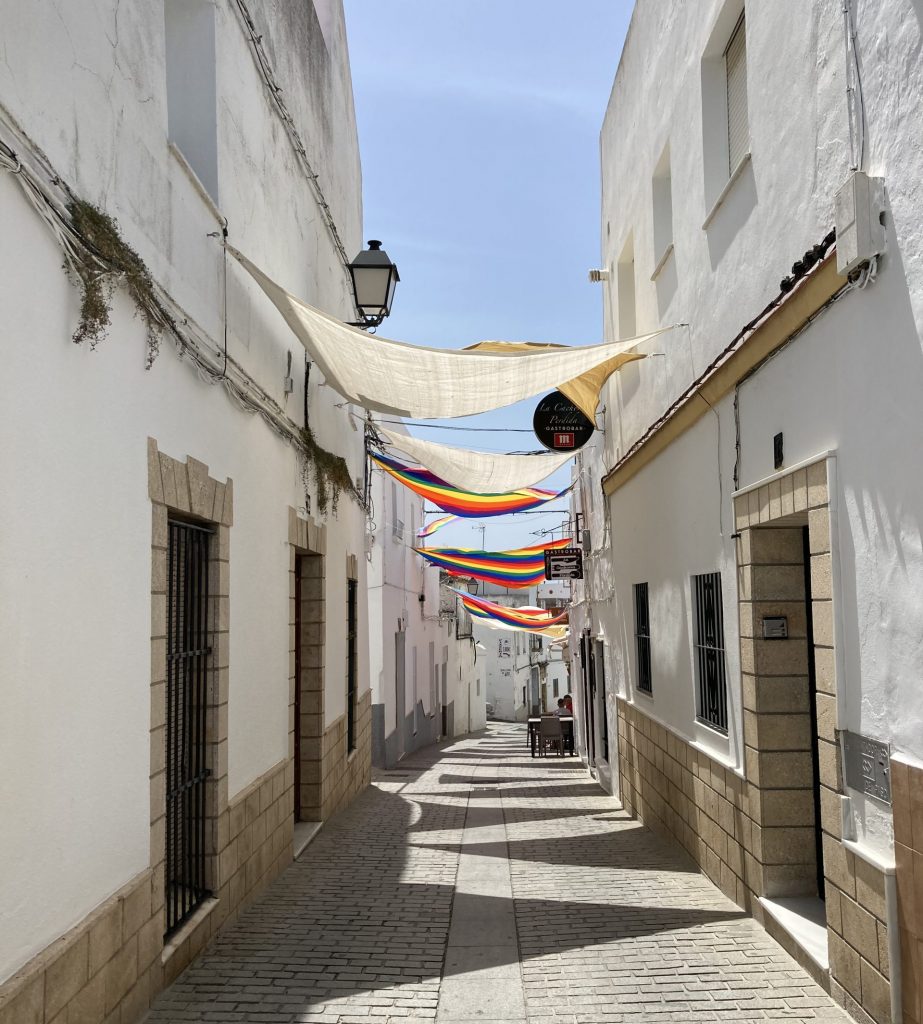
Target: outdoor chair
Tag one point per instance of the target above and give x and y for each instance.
(550, 735)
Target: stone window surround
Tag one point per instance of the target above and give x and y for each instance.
(187, 489)
(113, 963)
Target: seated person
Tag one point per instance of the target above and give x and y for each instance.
(561, 710)
(568, 704)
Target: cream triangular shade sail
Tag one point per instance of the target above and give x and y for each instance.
(554, 632)
(410, 380)
(479, 472)
(584, 390)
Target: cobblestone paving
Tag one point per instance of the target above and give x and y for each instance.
(612, 924)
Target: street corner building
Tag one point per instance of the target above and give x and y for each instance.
(185, 665)
(748, 633)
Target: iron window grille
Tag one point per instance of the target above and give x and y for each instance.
(643, 638)
(711, 675)
(351, 667)
(599, 675)
(188, 662)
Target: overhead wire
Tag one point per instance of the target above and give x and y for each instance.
(49, 195)
(274, 91)
(854, 91)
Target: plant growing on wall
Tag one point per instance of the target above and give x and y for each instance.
(102, 261)
(331, 474)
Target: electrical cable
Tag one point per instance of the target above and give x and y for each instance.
(801, 269)
(720, 476)
(768, 359)
(224, 293)
(855, 95)
(275, 95)
(442, 426)
(49, 195)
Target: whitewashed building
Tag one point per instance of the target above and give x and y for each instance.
(422, 653)
(754, 511)
(184, 662)
(525, 673)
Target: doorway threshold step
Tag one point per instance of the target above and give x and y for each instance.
(804, 919)
(305, 831)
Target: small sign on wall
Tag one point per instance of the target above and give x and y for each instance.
(868, 765)
(775, 627)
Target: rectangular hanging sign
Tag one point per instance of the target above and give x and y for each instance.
(564, 564)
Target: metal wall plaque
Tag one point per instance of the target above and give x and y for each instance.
(868, 765)
(564, 564)
(775, 627)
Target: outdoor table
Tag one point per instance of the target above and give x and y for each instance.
(567, 727)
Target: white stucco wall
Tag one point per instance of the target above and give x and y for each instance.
(86, 83)
(506, 675)
(397, 578)
(850, 382)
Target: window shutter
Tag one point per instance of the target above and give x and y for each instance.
(735, 59)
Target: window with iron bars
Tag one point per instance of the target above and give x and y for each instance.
(643, 638)
(711, 677)
(188, 663)
(599, 669)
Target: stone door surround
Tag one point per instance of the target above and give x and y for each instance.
(777, 721)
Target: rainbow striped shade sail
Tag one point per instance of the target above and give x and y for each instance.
(517, 618)
(523, 567)
(462, 503)
(436, 524)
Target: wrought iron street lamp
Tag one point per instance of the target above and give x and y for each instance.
(472, 586)
(374, 277)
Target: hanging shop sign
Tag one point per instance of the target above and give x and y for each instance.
(560, 425)
(564, 564)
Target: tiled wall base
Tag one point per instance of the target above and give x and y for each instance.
(104, 969)
(675, 789)
(736, 835)
(333, 775)
(254, 836)
(109, 967)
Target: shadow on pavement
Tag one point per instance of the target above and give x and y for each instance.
(367, 908)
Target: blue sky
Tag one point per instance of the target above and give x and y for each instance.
(479, 131)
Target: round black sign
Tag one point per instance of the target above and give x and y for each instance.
(560, 425)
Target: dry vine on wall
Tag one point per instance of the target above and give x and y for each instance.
(331, 474)
(103, 261)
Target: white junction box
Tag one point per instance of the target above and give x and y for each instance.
(859, 214)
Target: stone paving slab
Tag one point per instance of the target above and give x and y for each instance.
(478, 884)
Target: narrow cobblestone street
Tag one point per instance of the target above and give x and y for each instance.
(474, 883)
